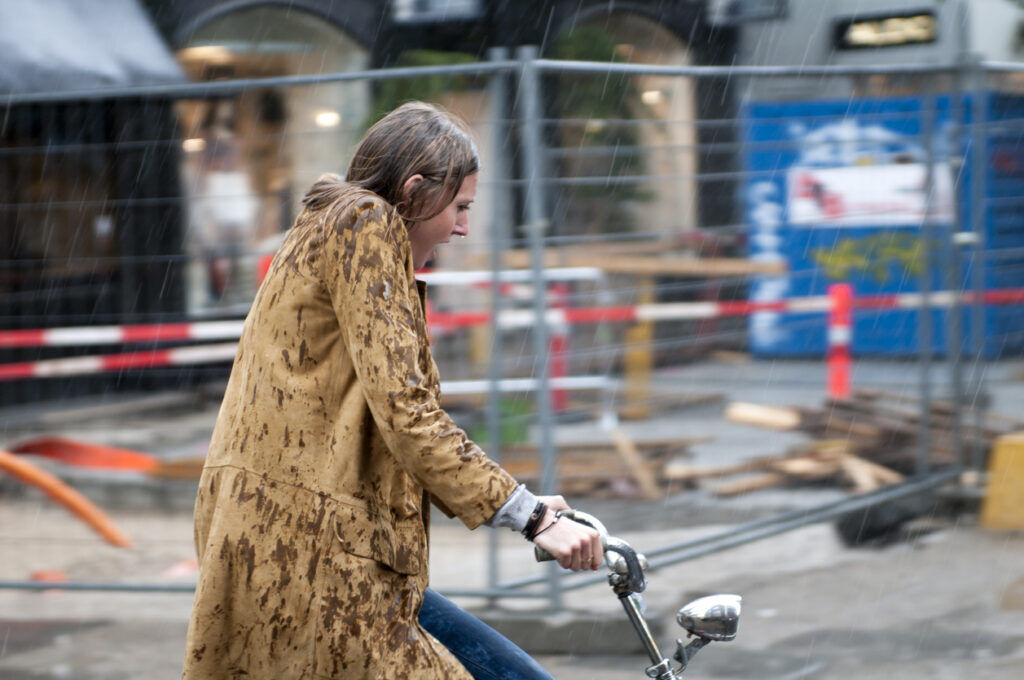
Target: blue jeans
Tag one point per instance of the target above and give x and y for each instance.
(486, 653)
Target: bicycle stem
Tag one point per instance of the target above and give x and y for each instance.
(640, 626)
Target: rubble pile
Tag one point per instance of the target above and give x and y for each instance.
(863, 442)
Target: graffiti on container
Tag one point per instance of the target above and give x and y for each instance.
(881, 257)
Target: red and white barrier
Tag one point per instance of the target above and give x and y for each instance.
(178, 356)
(665, 311)
(232, 329)
(840, 333)
(509, 319)
(121, 335)
(208, 354)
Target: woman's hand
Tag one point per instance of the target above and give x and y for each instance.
(575, 546)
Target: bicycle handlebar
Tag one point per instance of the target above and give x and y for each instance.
(707, 619)
(627, 573)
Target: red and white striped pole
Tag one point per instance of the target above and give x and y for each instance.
(840, 331)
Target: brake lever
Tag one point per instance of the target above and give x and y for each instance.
(635, 581)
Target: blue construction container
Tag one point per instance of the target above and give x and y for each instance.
(835, 192)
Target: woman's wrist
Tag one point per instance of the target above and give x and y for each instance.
(545, 526)
(515, 512)
(533, 524)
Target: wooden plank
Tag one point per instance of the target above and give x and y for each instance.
(865, 475)
(581, 486)
(833, 426)
(807, 468)
(728, 356)
(531, 469)
(756, 483)
(660, 265)
(798, 461)
(598, 447)
(774, 417)
(883, 474)
(519, 255)
(860, 475)
(685, 473)
(643, 476)
(828, 447)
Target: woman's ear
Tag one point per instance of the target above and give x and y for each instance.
(410, 186)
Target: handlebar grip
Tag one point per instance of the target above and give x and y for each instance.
(542, 555)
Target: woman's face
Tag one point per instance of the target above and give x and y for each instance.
(453, 220)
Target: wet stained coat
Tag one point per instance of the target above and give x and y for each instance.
(312, 514)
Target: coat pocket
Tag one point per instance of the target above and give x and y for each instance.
(400, 547)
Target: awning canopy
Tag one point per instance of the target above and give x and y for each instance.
(55, 45)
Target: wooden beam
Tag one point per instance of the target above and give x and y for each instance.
(613, 262)
(774, 417)
(634, 461)
(865, 475)
(685, 473)
(594, 448)
(764, 481)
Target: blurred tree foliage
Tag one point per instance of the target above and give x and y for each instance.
(599, 135)
(397, 91)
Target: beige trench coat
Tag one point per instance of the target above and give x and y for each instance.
(312, 514)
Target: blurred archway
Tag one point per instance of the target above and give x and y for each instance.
(618, 126)
(249, 157)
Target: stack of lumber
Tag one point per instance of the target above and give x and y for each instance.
(869, 440)
(886, 427)
(820, 462)
(618, 466)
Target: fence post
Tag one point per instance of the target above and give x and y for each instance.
(499, 239)
(528, 106)
(954, 268)
(976, 239)
(926, 339)
(839, 333)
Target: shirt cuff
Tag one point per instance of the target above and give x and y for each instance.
(515, 512)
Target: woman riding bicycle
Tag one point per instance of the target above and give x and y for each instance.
(312, 516)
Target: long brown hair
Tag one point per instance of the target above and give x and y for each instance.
(415, 138)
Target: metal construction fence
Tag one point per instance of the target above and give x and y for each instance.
(632, 218)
